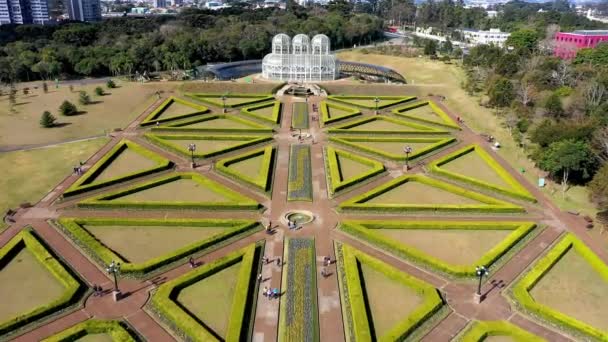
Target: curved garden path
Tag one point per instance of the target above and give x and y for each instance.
(459, 296)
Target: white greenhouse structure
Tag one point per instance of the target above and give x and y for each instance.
(300, 59)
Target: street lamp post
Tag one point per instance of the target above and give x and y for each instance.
(114, 269)
(407, 150)
(376, 101)
(480, 271)
(192, 148)
(224, 104)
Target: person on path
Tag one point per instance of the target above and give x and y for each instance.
(260, 277)
(324, 272)
(95, 291)
(191, 262)
(265, 292)
(278, 261)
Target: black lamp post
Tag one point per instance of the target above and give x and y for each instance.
(114, 269)
(407, 150)
(192, 148)
(481, 271)
(376, 101)
(223, 103)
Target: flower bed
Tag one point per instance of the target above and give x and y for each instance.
(299, 187)
(299, 115)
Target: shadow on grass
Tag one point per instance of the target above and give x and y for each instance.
(61, 124)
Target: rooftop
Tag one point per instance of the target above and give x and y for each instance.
(590, 32)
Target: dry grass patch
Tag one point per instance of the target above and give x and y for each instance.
(472, 165)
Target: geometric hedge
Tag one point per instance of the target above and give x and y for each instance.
(156, 116)
(335, 169)
(388, 126)
(442, 118)
(254, 111)
(367, 102)
(204, 143)
(116, 330)
(231, 99)
(371, 231)
(482, 330)
(331, 112)
(262, 179)
(358, 143)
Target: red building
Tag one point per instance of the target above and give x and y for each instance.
(568, 43)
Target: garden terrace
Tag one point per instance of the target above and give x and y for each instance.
(496, 331)
(96, 330)
(331, 112)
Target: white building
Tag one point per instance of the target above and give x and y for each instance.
(493, 36)
(300, 59)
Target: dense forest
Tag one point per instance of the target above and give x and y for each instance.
(191, 38)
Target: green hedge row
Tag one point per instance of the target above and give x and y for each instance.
(276, 111)
(207, 98)
(152, 119)
(516, 189)
(352, 142)
(447, 121)
(87, 181)
(335, 173)
(481, 331)
(114, 329)
(414, 127)
(182, 126)
(108, 201)
(521, 289)
(396, 100)
(73, 227)
(325, 109)
(164, 141)
(366, 231)
(431, 301)
(164, 301)
(26, 239)
(489, 204)
(263, 180)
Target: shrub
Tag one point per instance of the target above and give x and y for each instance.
(276, 111)
(352, 142)
(480, 331)
(116, 330)
(84, 98)
(408, 127)
(47, 119)
(392, 100)
(67, 108)
(241, 141)
(334, 171)
(447, 121)
(99, 91)
(262, 180)
(327, 106)
(110, 84)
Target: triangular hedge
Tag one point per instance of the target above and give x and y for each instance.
(368, 101)
(358, 143)
(189, 125)
(328, 118)
(444, 119)
(216, 99)
(274, 118)
(261, 180)
(405, 127)
(335, 178)
(240, 141)
(156, 116)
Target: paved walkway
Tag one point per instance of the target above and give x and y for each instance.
(458, 295)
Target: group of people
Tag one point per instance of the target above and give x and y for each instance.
(271, 293)
(292, 224)
(97, 290)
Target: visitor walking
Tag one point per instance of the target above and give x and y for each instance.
(260, 277)
(278, 261)
(191, 262)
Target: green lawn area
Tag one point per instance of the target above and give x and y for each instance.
(394, 147)
(180, 190)
(138, 244)
(472, 165)
(380, 125)
(350, 168)
(574, 288)
(432, 77)
(26, 284)
(115, 110)
(266, 111)
(176, 109)
(205, 146)
(419, 193)
(96, 338)
(29, 175)
(424, 112)
(337, 112)
(454, 246)
(218, 123)
(250, 166)
(388, 301)
(210, 299)
(126, 163)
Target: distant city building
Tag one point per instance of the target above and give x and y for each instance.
(493, 36)
(139, 10)
(568, 43)
(159, 3)
(215, 5)
(84, 10)
(24, 12)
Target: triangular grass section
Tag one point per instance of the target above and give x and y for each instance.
(369, 102)
(197, 303)
(392, 147)
(214, 124)
(93, 328)
(231, 100)
(267, 111)
(473, 165)
(176, 191)
(171, 109)
(33, 282)
(207, 146)
(385, 303)
(567, 287)
(345, 169)
(331, 112)
(480, 331)
(427, 112)
(393, 197)
(125, 161)
(255, 167)
(143, 245)
(451, 247)
(384, 125)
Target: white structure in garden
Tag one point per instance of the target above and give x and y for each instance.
(300, 59)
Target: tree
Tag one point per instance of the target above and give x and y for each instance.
(598, 188)
(554, 107)
(67, 108)
(430, 48)
(525, 92)
(602, 218)
(26, 91)
(507, 65)
(501, 92)
(110, 84)
(562, 158)
(524, 39)
(47, 119)
(84, 98)
(99, 91)
(45, 87)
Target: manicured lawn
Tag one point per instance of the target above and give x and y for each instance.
(218, 123)
(176, 109)
(126, 163)
(28, 175)
(424, 112)
(299, 118)
(350, 168)
(418, 193)
(380, 125)
(266, 111)
(180, 190)
(96, 338)
(26, 284)
(229, 87)
(395, 147)
(206, 146)
(250, 166)
(115, 110)
(472, 165)
(140, 244)
(388, 301)
(210, 299)
(574, 288)
(460, 247)
(336, 112)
